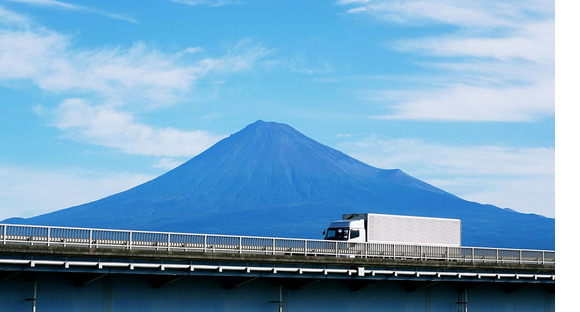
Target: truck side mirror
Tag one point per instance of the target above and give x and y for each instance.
(324, 232)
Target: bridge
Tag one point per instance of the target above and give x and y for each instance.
(80, 269)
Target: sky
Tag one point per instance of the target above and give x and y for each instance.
(97, 97)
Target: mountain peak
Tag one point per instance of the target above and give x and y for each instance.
(265, 125)
(262, 123)
(283, 153)
(269, 129)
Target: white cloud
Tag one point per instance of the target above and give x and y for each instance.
(26, 54)
(509, 177)
(11, 18)
(211, 3)
(474, 103)
(241, 57)
(48, 186)
(75, 7)
(106, 126)
(532, 41)
(496, 65)
(356, 10)
(167, 163)
(464, 13)
(347, 2)
(135, 74)
(50, 3)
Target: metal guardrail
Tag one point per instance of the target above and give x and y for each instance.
(103, 238)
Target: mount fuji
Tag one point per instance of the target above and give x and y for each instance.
(271, 180)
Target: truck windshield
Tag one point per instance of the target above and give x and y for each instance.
(337, 234)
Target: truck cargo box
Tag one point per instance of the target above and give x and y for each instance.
(382, 228)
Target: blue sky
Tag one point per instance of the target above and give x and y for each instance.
(100, 96)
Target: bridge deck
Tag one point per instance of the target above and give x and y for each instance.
(135, 261)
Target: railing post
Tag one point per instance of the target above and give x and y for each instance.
(273, 246)
(305, 247)
(30, 236)
(543, 257)
(240, 244)
(521, 256)
(48, 236)
(4, 235)
(204, 243)
(96, 240)
(168, 241)
(130, 245)
(496, 255)
(472, 254)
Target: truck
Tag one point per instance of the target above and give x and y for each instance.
(395, 229)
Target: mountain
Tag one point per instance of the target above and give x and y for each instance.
(270, 180)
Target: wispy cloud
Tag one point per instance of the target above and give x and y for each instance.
(463, 13)
(497, 64)
(503, 175)
(167, 163)
(137, 73)
(49, 185)
(51, 3)
(105, 125)
(465, 102)
(241, 57)
(74, 7)
(47, 59)
(211, 3)
(532, 41)
(9, 18)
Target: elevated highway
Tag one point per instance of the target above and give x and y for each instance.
(139, 271)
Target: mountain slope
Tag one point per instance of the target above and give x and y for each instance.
(270, 180)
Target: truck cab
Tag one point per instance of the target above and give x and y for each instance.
(346, 230)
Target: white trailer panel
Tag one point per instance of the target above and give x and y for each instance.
(410, 230)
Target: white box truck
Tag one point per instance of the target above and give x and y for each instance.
(395, 229)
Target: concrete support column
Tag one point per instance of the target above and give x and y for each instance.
(462, 300)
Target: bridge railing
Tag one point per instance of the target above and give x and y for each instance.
(104, 238)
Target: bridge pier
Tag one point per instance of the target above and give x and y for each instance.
(462, 300)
